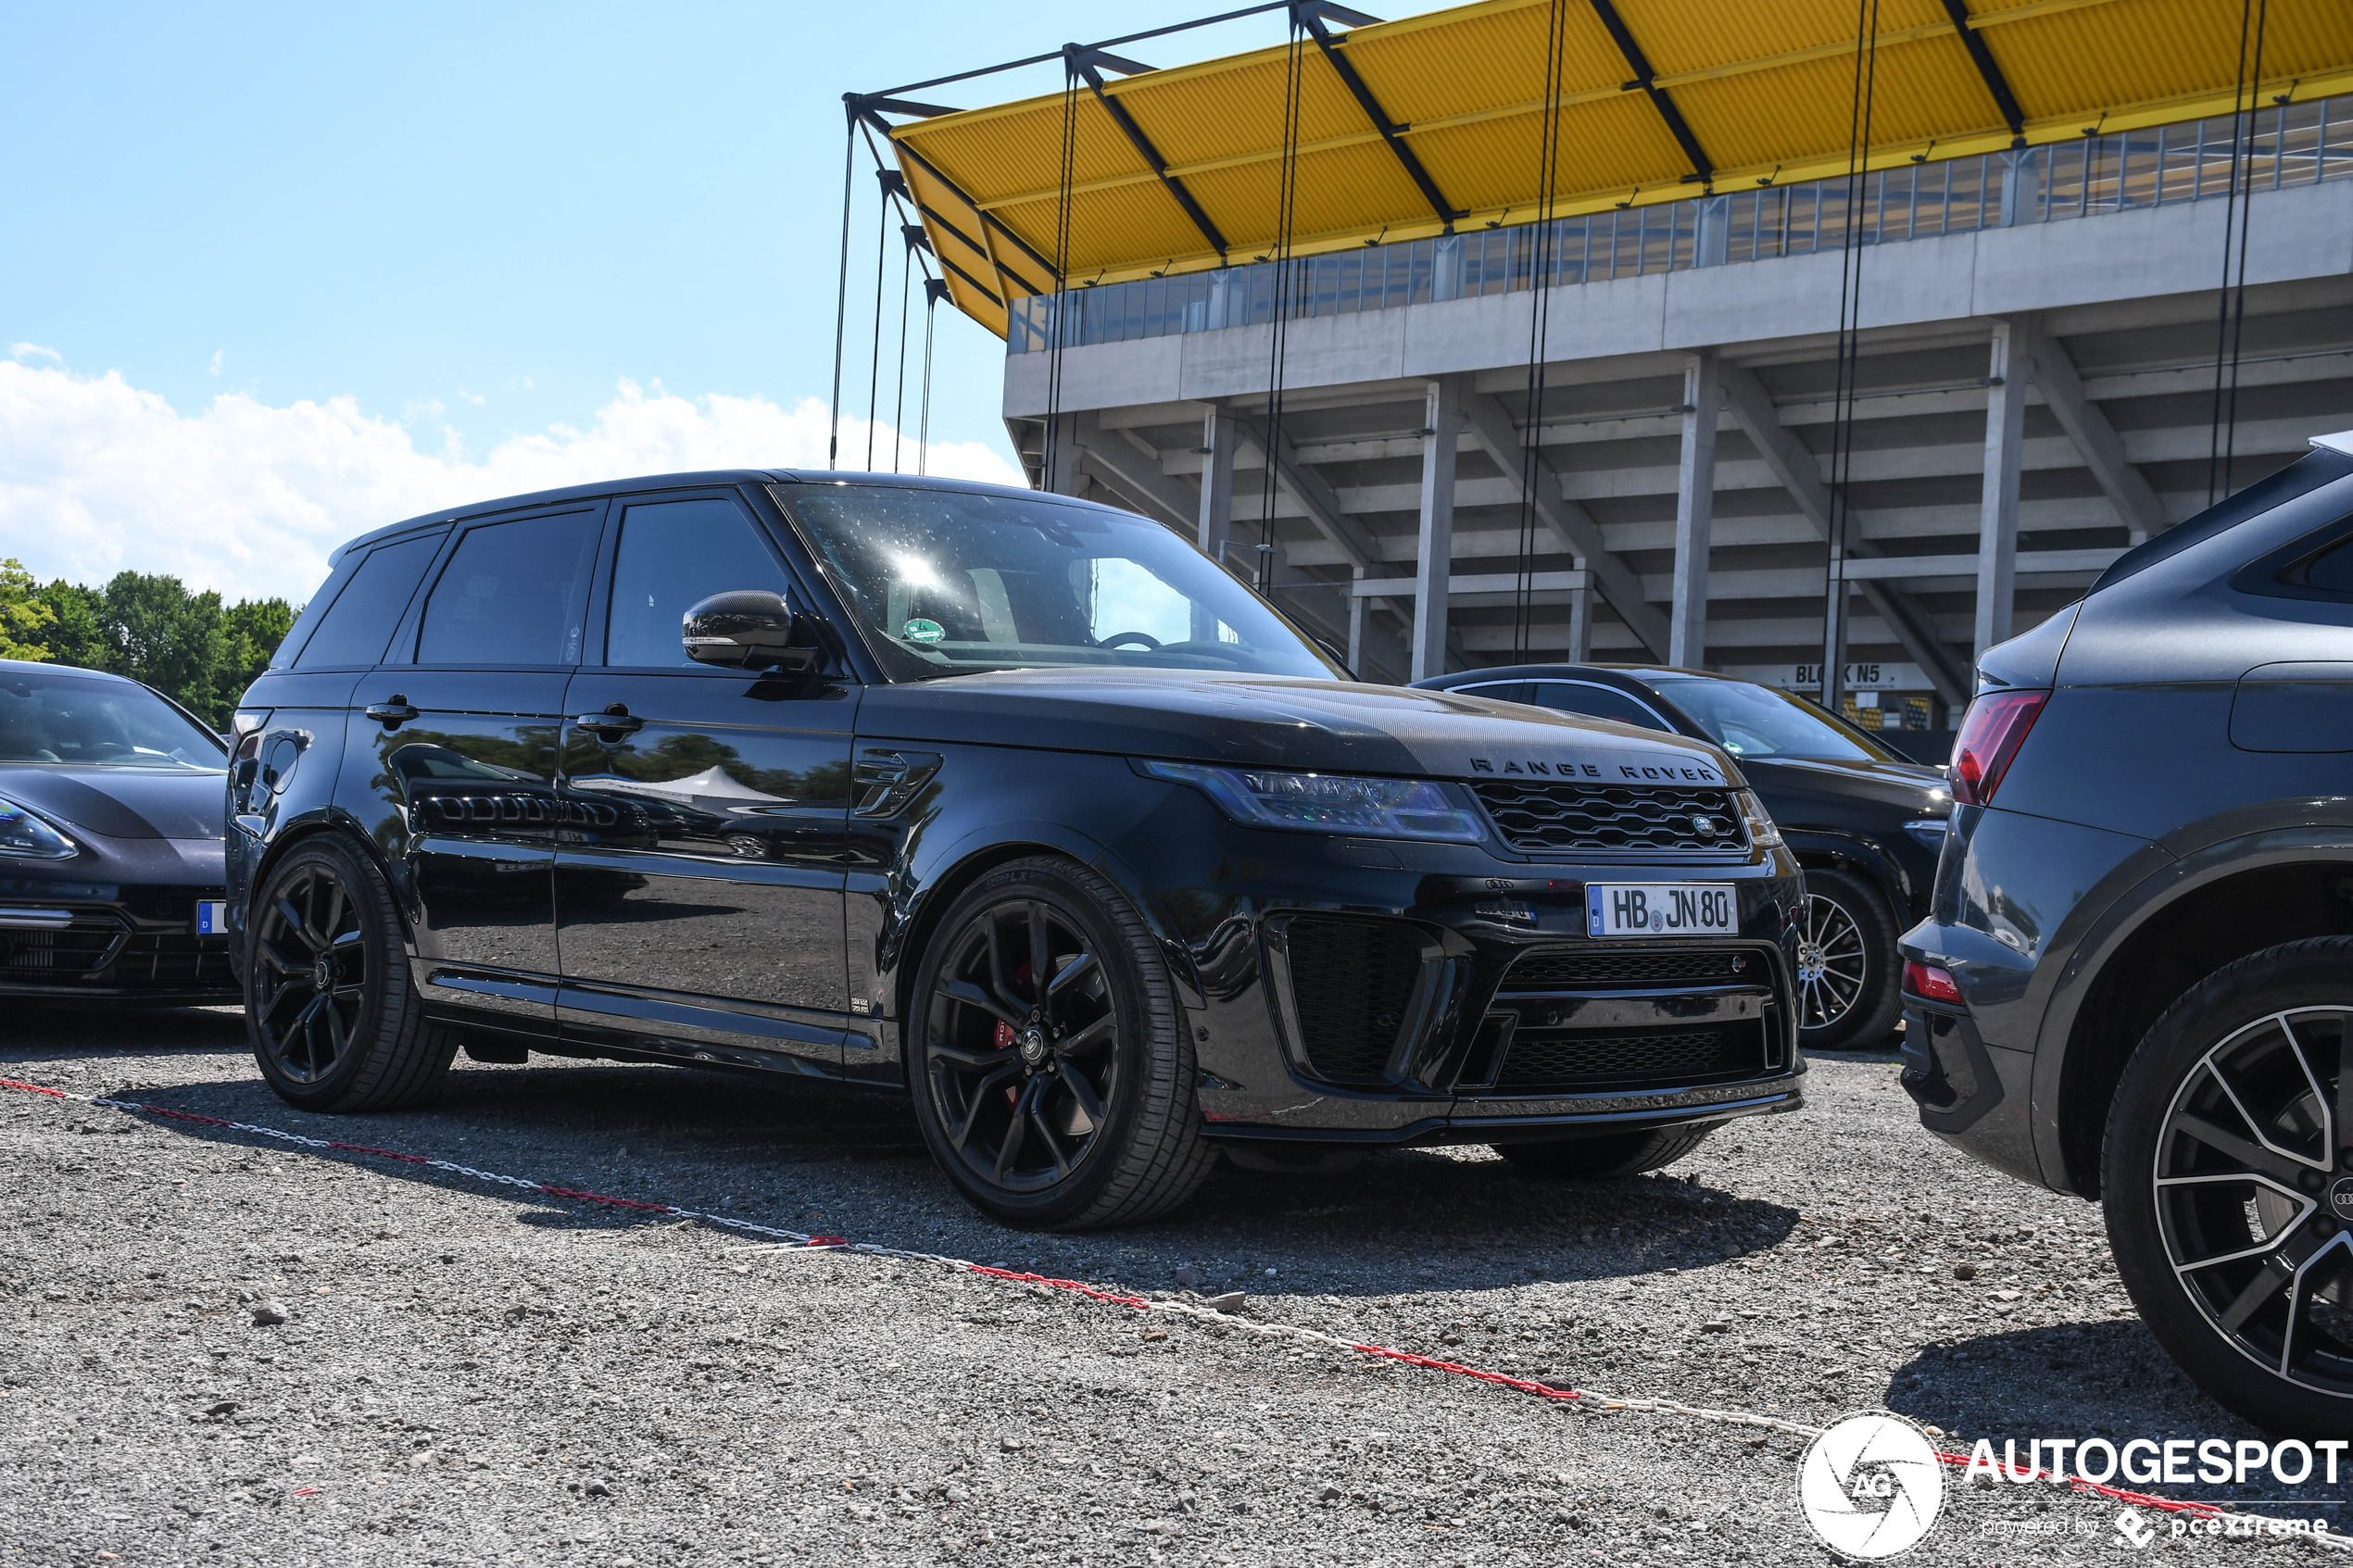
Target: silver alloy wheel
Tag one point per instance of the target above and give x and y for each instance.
(2253, 1194)
(1831, 964)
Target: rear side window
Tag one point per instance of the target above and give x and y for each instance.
(673, 555)
(1596, 702)
(510, 594)
(361, 620)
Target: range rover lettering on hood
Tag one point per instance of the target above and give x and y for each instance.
(1606, 773)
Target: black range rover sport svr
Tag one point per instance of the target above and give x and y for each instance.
(1013, 801)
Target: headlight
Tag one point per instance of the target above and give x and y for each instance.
(1330, 803)
(26, 836)
(1761, 831)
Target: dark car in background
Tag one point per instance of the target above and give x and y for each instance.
(1865, 822)
(2135, 983)
(110, 874)
(1014, 802)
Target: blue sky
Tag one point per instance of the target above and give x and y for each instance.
(500, 210)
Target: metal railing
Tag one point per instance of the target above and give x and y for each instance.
(2292, 144)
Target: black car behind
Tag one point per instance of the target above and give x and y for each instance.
(1011, 801)
(1865, 822)
(2135, 983)
(110, 831)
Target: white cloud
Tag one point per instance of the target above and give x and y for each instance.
(28, 350)
(215, 366)
(98, 476)
(479, 401)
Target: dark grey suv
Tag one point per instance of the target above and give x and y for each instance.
(2135, 982)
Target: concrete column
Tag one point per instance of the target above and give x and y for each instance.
(1997, 507)
(1062, 459)
(1220, 433)
(2021, 187)
(1359, 607)
(1711, 233)
(1694, 512)
(1581, 622)
(1442, 419)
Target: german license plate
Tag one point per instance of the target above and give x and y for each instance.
(212, 917)
(1660, 909)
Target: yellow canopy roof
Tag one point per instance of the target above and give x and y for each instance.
(1763, 92)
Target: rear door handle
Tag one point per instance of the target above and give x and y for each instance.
(613, 721)
(396, 711)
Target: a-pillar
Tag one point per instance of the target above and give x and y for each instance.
(1694, 512)
(1220, 432)
(1997, 505)
(1442, 426)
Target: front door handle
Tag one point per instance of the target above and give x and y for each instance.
(396, 711)
(612, 722)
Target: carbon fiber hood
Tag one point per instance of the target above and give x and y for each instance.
(121, 802)
(1260, 721)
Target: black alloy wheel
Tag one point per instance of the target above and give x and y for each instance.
(1053, 1068)
(329, 1006)
(1846, 962)
(2229, 1186)
(313, 960)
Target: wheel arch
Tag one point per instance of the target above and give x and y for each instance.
(2193, 919)
(1823, 851)
(308, 829)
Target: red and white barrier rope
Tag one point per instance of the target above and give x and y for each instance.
(795, 1241)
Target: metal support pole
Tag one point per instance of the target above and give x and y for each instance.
(1359, 607)
(1442, 421)
(1694, 512)
(1580, 623)
(1997, 508)
(1220, 433)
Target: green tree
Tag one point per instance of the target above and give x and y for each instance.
(77, 634)
(166, 636)
(23, 613)
(250, 632)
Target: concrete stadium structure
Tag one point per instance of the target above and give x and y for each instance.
(2036, 369)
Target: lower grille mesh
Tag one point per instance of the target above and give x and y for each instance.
(1543, 1063)
(1352, 983)
(1573, 969)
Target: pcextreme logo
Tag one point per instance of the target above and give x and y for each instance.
(1871, 1486)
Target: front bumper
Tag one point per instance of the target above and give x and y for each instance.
(117, 923)
(1354, 992)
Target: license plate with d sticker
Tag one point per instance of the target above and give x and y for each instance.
(1660, 909)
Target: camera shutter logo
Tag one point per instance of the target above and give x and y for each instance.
(1871, 1486)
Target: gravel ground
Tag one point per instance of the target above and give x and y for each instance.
(471, 1376)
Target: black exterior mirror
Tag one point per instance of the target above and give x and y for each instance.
(749, 629)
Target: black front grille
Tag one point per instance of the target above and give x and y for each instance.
(1551, 818)
(1351, 983)
(1572, 969)
(55, 958)
(97, 952)
(1541, 1063)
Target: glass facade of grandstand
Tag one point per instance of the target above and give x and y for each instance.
(2291, 145)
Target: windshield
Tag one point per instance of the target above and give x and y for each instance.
(948, 581)
(91, 723)
(1750, 721)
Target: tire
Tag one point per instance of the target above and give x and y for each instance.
(2244, 1271)
(1847, 995)
(331, 1008)
(1613, 1154)
(1072, 1110)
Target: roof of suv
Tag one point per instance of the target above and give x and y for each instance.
(680, 482)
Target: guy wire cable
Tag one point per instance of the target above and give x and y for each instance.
(907, 233)
(935, 289)
(1538, 330)
(1049, 447)
(882, 241)
(1850, 312)
(1279, 331)
(2237, 209)
(841, 290)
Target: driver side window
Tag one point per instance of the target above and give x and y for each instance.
(673, 555)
